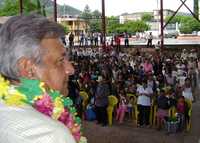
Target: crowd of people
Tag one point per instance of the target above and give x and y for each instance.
(152, 78)
(35, 69)
(96, 39)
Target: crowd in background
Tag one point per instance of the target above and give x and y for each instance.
(165, 79)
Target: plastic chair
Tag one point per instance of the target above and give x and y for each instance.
(112, 102)
(134, 105)
(85, 97)
(153, 111)
(189, 122)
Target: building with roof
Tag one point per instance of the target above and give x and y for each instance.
(154, 24)
(75, 24)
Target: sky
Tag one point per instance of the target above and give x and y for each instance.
(117, 7)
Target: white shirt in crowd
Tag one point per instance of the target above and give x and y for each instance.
(143, 99)
(187, 93)
(26, 125)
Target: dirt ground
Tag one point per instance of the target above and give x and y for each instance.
(128, 133)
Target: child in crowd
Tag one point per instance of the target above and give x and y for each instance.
(122, 108)
(181, 111)
(163, 103)
(130, 104)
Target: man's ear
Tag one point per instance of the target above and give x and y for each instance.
(26, 68)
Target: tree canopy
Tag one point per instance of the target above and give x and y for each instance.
(188, 24)
(112, 23)
(11, 7)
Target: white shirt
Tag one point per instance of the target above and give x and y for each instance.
(143, 99)
(26, 125)
(187, 93)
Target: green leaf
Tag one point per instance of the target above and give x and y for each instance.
(54, 94)
(67, 102)
(78, 120)
(30, 88)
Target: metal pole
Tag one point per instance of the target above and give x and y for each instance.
(161, 25)
(103, 24)
(21, 7)
(174, 14)
(55, 11)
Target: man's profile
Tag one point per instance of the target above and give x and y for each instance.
(31, 48)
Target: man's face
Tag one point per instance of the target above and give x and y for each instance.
(55, 68)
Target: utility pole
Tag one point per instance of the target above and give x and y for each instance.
(161, 25)
(103, 24)
(20, 7)
(55, 11)
(196, 8)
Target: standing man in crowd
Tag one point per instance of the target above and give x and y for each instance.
(126, 39)
(149, 40)
(71, 39)
(101, 100)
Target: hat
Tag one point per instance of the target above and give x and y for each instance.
(167, 88)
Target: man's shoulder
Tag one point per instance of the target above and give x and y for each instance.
(27, 124)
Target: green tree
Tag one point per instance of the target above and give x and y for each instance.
(66, 29)
(95, 21)
(11, 7)
(112, 24)
(147, 17)
(86, 15)
(188, 24)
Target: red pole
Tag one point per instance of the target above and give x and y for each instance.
(161, 25)
(103, 24)
(20, 7)
(55, 11)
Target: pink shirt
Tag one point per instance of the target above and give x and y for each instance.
(148, 67)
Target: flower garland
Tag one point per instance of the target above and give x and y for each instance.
(50, 103)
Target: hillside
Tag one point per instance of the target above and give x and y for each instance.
(62, 9)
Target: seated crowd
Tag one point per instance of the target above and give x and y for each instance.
(151, 88)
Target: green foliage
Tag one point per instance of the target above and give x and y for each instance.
(66, 29)
(188, 24)
(147, 17)
(30, 88)
(11, 7)
(95, 21)
(86, 15)
(130, 26)
(175, 19)
(112, 24)
(44, 7)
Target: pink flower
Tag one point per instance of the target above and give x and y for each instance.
(64, 116)
(44, 105)
(77, 136)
